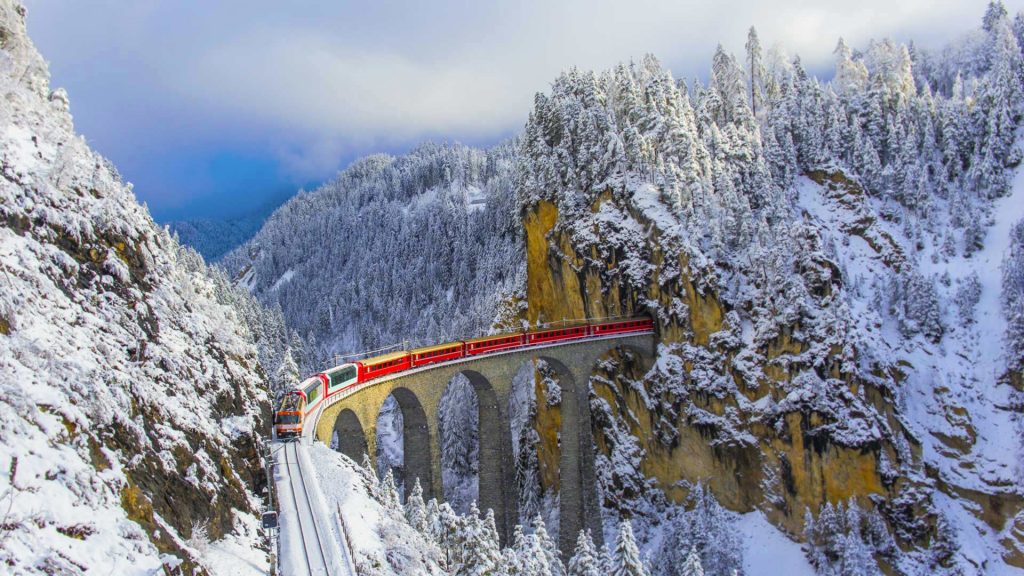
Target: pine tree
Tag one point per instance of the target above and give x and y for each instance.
(389, 493)
(605, 560)
(479, 551)
(994, 13)
(416, 509)
(692, 566)
(369, 474)
(550, 548)
(755, 68)
(288, 371)
(627, 555)
(585, 560)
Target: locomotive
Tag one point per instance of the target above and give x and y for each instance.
(298, 403)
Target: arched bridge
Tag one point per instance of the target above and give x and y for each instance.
(353, 416)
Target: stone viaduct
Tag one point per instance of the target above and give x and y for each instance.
(418, 392)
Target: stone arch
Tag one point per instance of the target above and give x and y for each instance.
(579, 508)
(351, 437)
(415, 439)
(495, 455)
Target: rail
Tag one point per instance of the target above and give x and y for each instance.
(309, 507)
(348, 542)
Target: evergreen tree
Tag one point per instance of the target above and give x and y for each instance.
(692, 566)
(369, 474)
(627, 555)
(389, 494)
(994, 13)
(550, 548)
(755, 69)
(585, 560)
(416, 509)
(288, 371)
(479, 551)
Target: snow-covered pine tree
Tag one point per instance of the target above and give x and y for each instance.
(369, 474)
(416, 509)
(585, 560)
(1013, 297)
(479, 553)
(692, 566)
(390, 498)
(755, 69)
(287, 374)
(548, 545)
(447, 529)
(627, 555)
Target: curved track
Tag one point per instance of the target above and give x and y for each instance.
(310, 540)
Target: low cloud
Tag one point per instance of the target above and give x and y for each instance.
(319, 79)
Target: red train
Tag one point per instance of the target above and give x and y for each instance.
(308, 395)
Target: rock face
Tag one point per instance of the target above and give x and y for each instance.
(827, 305)
(131, 396)
(565, 284)
(755, 449)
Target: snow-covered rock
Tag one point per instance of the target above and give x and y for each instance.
(131, 391)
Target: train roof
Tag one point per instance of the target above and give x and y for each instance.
(557, 326)
(492, 337)
(434, 348)
(385, 358)
(338, 367)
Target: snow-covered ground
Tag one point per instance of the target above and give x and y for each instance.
(378, 538)
(238, 554)
(311, 538)
(768, 551)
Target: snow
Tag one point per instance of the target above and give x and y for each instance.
(768, 551)
(122, 366)
(379, 538)
(238, 554)
(286, 277)
(297, 525)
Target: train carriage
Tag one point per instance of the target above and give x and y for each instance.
(381, 365)
(556, 334)
(288, 418)
(494, 343)
(341, 377)
(622, 326)
(439, 353)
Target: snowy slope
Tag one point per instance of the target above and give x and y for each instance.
(381, 540)
(130, 390)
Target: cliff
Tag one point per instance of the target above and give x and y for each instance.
(131, 393)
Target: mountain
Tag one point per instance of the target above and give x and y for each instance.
(423, 247)
(834, 268)
(132, 385)
(213, 237)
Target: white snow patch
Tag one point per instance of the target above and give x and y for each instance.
(768, 551)
(284, 279)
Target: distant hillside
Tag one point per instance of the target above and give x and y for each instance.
(215, 237)
(424, 247)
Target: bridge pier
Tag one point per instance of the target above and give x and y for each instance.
(578, 508)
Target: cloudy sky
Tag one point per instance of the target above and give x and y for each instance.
(217, 108)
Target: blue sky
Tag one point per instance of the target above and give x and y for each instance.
(217, 108)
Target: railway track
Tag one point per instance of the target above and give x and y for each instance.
(311, 540)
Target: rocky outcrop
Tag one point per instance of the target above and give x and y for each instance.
(722, 410)
(131, 392)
